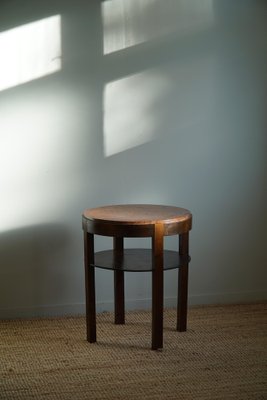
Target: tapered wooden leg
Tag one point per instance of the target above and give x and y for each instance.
(182, 284)
(157, 288)
(90, 286)
(118, 282)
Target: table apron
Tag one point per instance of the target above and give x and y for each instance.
(135, 230)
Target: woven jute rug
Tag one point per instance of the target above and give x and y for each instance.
(223, 355)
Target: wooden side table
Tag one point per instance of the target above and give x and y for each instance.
(137, 220)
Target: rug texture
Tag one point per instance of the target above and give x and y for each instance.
(223, 355)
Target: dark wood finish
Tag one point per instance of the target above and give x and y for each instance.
(90, 286)
(138, 260)
(137, 220)
(182, 284)
(157, 288)
(118, 230)
(118, 281)
(137, 214)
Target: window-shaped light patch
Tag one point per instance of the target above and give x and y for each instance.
(131, 109)
(30, 51)
(130, 22)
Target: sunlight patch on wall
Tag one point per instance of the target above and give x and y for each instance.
(36, 171)
(130, 22)
(130, 110)
(30, 51)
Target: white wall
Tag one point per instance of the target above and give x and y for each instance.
(154, 102)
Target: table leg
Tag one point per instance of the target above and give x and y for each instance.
(90, 286)
(182, 284)
(157, 288)
(118, 282)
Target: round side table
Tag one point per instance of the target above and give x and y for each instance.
(137, 220)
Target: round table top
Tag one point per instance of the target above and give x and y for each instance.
(137, 214)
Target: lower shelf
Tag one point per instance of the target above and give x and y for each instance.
(137, 260)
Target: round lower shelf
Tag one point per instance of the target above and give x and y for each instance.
(137, 260)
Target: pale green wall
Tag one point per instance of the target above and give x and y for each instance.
(173, 113)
